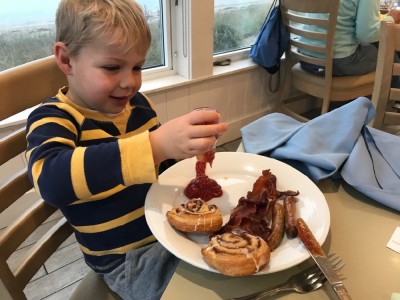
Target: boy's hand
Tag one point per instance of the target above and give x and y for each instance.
(186, 136)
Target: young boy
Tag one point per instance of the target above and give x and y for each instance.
(95, 148)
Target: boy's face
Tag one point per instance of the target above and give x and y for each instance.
(104, 79)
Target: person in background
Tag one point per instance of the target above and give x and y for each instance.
(357, 34)
(96, 147)
(356, 40)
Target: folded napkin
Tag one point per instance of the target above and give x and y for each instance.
(336, 144)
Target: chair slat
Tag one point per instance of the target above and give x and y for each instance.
(12, 144)
(386, 67)
(43, 249)
(299, 45)
(13, 290)
(296, 18)
(396, 38)
(13, 189)
(307, 34)
(22, 228)
(392, 118)
(396, 69)
(309, 59)
(43, 73)
(394, 94)
(305, 7)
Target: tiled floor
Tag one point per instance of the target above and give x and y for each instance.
(61, 274)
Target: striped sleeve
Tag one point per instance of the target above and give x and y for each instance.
(64, 172)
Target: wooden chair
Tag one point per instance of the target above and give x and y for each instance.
(24, 87)
(384, 94)
(327, 88)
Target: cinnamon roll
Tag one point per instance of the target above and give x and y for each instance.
(237, 253)
(195, 216)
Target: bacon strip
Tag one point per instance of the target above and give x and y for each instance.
(253, 213)
(250, 213)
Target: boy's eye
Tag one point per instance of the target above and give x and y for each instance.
(111, 68)
(137, 69)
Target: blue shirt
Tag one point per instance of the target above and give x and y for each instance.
(358, 22)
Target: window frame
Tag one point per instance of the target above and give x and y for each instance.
(168, 39)
(190, 55)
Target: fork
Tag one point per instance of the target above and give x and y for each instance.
(302, 283)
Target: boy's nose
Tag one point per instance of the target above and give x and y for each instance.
(128, 81)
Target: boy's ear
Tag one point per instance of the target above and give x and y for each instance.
(62, 57)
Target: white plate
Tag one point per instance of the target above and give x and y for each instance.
(235, 172)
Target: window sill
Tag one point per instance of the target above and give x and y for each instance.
(173, 81)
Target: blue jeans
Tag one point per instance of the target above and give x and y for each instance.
(145, 273)
(363, 61)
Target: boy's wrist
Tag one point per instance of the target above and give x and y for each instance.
(157, 154)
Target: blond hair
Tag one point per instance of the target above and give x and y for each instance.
(120, 23)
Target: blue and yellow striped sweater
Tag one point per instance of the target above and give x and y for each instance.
(97, 170)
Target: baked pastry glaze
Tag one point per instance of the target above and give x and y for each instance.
(237, 253)
(195, 216)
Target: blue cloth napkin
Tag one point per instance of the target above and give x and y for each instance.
(336, 144)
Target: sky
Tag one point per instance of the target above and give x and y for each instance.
(26, 12)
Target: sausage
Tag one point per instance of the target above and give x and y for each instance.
(277, 228)
(290, 217)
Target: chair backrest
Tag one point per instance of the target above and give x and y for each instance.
(22, 88)
(308, 20)
(387, 67)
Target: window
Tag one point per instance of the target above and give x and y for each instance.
(27, 31)
(237, 23)
(155, 13)
(182, 30)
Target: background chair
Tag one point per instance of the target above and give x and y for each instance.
(384, 95)
(23, 87)
(327, 88)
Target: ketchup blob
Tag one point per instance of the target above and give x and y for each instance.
(202, 186)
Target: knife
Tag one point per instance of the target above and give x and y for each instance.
(319, 256)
